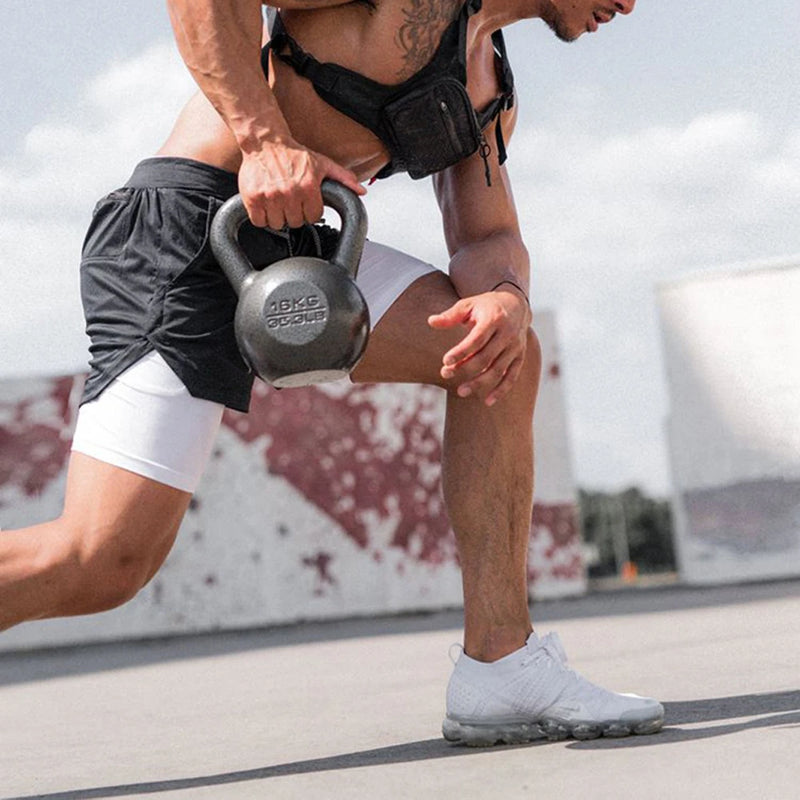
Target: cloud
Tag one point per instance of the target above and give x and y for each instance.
(125, 114)
(691, 194)
(48, 190)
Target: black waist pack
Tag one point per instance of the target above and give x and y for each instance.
(431, 128)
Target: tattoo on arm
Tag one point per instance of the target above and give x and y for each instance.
(421, 32)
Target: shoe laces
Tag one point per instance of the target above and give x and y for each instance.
(549, 645)
(551, 651)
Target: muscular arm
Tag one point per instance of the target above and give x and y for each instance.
(221, 45)
(220, 41)
(481, 228)
(486, 250)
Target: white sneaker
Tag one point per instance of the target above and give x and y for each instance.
(532, 694)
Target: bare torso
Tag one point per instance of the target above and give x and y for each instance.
(388, 45)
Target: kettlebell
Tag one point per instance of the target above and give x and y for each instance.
(301, 320)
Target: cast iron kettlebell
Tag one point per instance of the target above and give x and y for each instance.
(300, 320)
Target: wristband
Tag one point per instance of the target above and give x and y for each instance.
(516, 286)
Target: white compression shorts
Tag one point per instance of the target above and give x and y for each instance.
(146, 421)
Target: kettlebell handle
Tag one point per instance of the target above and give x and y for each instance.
(232, 215)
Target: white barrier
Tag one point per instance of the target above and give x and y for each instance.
(320, 503)
(732, 344)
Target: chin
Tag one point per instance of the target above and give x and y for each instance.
(564, 33)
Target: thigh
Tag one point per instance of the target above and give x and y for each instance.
(116, 529)
(384, 274)
(402, 347)
(118, 524)
(138, 453)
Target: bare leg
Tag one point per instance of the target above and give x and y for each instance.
(487, 474)
(488, 485)
(115, 531)
(487, 465)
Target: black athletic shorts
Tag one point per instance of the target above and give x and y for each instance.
(150, 282)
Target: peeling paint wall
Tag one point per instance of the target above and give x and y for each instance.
(732, 345)
(321, 502)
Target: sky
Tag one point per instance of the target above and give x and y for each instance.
(667, 144)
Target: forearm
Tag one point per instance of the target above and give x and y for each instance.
(485, 264)
(220, 42)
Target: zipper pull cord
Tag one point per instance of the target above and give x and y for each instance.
(485, 151)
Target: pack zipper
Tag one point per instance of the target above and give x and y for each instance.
(448, 122)
(484, 147)
(485, 151)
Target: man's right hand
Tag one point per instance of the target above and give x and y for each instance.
(280, 183)
(279, 179)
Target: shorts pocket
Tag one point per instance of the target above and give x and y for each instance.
(111, 224)
(184, 225)
(198, 299)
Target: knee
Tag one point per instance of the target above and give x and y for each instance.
(526, 387)
(532, 366)
(112, 581)
(96, 574)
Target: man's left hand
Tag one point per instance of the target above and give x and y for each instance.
(488, 360)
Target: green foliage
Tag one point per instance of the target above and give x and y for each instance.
(627, 526)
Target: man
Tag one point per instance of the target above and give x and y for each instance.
(399, 90)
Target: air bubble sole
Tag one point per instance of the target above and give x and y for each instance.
(488, 734)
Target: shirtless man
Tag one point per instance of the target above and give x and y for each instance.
(159, 316)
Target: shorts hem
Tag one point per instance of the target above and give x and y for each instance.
(98, 381)
(142, 467)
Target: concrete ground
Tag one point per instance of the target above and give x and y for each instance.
(353, 709)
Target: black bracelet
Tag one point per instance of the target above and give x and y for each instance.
(516, 286)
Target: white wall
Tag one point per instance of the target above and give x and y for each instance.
(732, 343)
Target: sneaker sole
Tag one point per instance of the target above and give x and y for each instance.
(555, 730)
